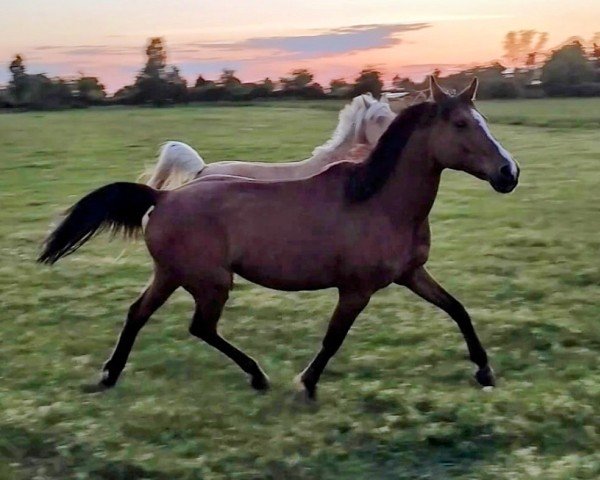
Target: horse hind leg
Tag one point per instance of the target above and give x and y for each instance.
(154, 296)
(209, 305)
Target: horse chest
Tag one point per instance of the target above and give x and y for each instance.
(382, 256)
(377, 261)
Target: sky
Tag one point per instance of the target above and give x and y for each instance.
(260, 38)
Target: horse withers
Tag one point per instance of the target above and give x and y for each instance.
(358, 227)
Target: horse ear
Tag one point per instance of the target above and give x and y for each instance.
(368, 99)
(384, 98)
(468, 94)
(437, 92)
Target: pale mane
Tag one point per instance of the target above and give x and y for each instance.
(349, 122)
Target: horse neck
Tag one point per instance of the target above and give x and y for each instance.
(410, 191)
(344, 138)
(324, 155)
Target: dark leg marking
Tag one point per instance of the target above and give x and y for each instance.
(209, 305)
(424, 285)
(157, 293)
(349, 306)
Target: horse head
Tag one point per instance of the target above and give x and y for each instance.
(461, 140)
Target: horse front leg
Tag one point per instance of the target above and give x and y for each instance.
(420, 282)
(349, 306)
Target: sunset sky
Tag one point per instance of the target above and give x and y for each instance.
(270, 37)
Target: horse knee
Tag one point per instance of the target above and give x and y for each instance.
(134, 310)
(135, 317)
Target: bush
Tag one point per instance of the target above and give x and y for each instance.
(209, 93)
(586, 89)
(498, 88)
(567, 68)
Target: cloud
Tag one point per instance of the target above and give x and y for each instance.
(84, 50)
(331, 42)
(256, 57)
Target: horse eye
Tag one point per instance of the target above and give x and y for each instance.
(460, 124)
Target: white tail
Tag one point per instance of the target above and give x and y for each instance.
(177, 164)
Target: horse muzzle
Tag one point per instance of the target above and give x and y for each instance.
(506, 179)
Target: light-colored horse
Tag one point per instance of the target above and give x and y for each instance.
(361, 124)
(401, 100)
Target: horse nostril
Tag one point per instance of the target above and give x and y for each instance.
(506, 171)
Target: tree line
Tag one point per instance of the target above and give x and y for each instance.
(570, 70)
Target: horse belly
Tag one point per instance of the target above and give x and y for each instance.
(288, 270)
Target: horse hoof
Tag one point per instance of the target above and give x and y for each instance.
(485, 377)
(260, 383)
(307, 393)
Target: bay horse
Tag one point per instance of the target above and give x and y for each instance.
(358, 227)
(361, 123)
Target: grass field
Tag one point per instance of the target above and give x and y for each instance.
(397, 402)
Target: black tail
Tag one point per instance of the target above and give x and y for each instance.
(117, 207)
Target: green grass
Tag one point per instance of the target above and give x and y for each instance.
(557, 113)
(397, 402)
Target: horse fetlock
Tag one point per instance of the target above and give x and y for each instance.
(259, 382)
(108, 378)
(306, 387)
(106, 382)
(110, 374)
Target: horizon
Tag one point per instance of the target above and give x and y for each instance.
(331, 40)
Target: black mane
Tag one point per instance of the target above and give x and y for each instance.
(369, 177)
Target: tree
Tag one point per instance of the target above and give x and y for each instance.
(403, 83)
(17, 66)
(228, 79)
(368, 80)
(157, 82)
(37, 91)
(176, 85)
(259, 90)
(127, 95)
(157, 57)
(19, 78)
(150, 83)
(268, 85)
(596, 54)
(90, 90)
(58, 95)
(299, 79)
(313, 90)
(519, 46)
(339, 87)
(201, 82)
(566, 68)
